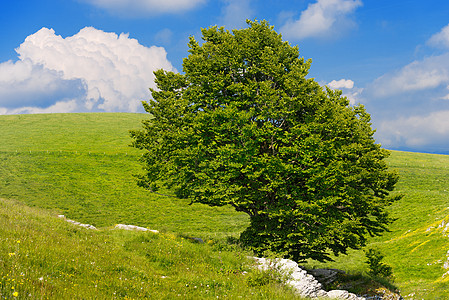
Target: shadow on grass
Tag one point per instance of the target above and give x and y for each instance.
(363, 285)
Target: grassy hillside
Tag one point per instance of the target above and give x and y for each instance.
(44, 257)
(80, 165)
(417, 247)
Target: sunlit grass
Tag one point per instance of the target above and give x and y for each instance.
(44, 257)
(80, 165)
(417, 245)
(94, 132)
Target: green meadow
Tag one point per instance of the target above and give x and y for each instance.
(44, 257)
(80, 165)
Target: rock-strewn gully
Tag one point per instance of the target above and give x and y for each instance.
(303, 283)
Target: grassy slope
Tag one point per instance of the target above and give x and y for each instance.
(87, 175)
(81, 165)
(44, 257)
(416, 246)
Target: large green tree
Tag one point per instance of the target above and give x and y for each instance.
(243, 126)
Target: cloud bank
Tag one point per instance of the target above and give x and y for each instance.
(145, 8)
(427, 132)
(89, 71)
(410, 105)
(324, 18)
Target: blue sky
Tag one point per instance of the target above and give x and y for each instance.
(99, 55)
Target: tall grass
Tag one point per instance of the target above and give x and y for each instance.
(44, 257)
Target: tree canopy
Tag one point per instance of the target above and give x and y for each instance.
(243, 126)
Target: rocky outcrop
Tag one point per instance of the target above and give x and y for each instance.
(303, 283)
(325, 276)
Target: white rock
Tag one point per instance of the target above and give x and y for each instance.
(341, 294)
(88, 226)
(134, 227)
(303, 283)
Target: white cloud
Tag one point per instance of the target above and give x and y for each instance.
(342, 83)
(142, 8)
(235, 13)
(430, 131)
(97, 70)
(23, 83)
(58, 107)
(440, 39)
(323, 18)
(429, 73)
(347, 88)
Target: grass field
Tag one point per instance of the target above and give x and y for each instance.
(80, 165)
(43, 257)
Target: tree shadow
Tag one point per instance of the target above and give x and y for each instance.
(359, 284)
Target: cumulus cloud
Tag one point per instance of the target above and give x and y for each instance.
(440, 39)
(98, 70)
(142, 8)
(342, 83)
(23, 83)
(323, 18)
(347, 88)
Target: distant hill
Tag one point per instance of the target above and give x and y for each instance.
(80, 165)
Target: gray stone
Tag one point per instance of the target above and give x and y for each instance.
(88, 226)
(303, 283)
(344, 295)
(326, 276)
